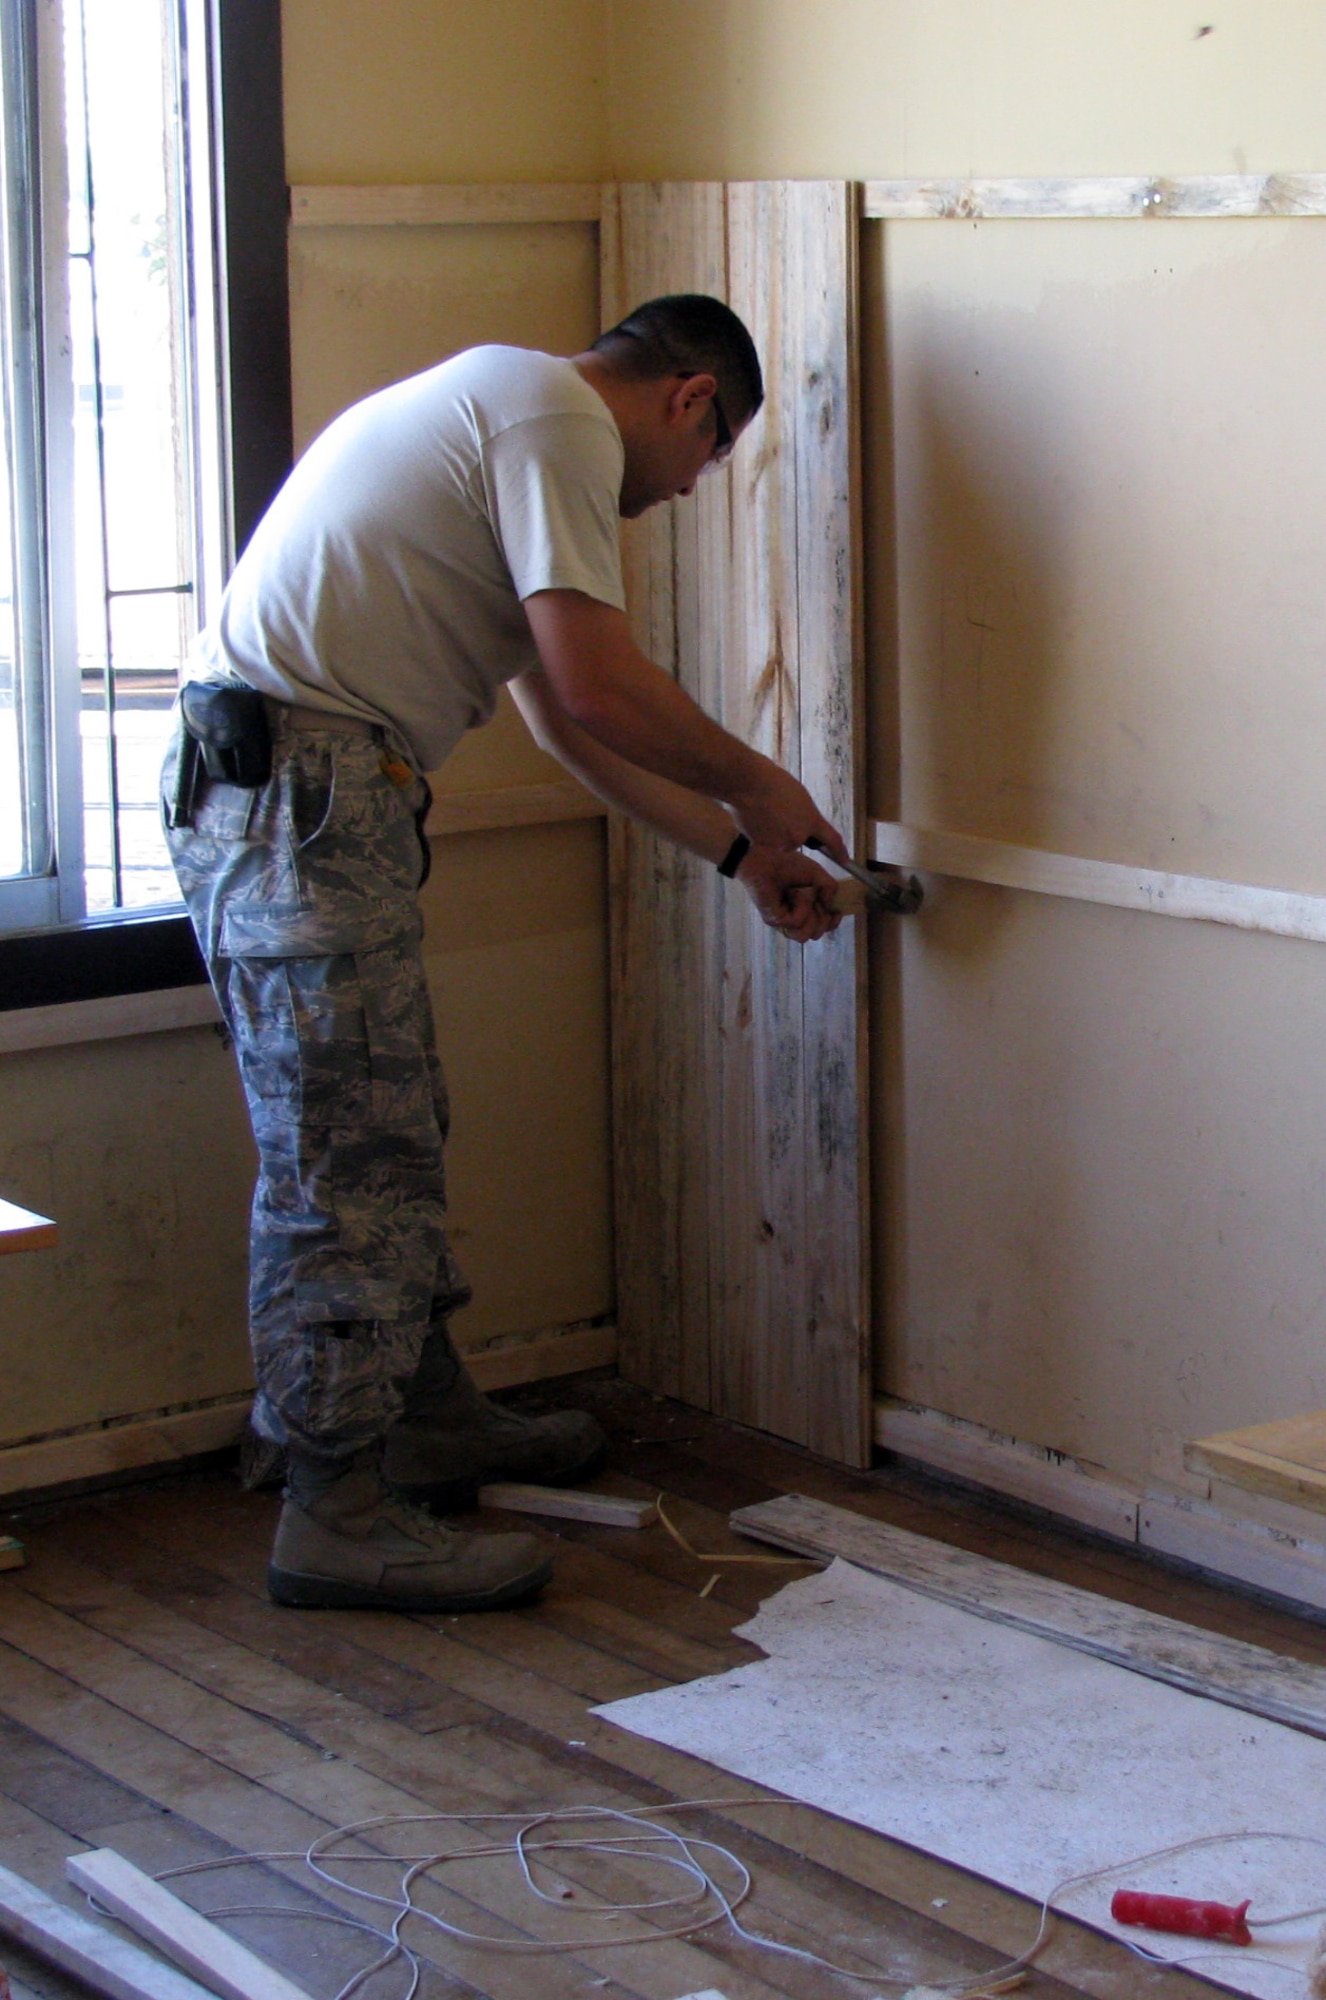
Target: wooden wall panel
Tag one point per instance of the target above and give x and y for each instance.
(738, 1059)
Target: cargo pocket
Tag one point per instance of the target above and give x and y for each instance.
(358, 1348)
(260, 1010)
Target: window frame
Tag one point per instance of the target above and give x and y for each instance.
(233, 54)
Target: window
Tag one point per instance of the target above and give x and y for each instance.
(145, 417)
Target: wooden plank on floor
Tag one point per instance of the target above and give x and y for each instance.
(190, 1940)
(73, 1942)
(739, 1071)
(1164, 1649)
(1285, 1459)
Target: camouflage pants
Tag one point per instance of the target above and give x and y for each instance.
(303, 896)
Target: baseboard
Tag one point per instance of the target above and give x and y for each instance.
(1265, 1557)
(1021, 1472)
(1275, 1556)
(142, 1442)
(122, 1447)
(543, 1358)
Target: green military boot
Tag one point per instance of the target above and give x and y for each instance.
(344, 1541)
(451, 1439)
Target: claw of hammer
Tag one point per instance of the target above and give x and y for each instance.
(884, 888)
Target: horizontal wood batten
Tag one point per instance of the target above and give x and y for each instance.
(512, 805)
(1114, 197)
(439, 204)
(1283, 912)
(106, 1020)
(1096, 196)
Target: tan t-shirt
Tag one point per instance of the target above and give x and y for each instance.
(386, 580)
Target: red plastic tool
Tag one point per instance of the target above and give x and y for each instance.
(1183, 1914)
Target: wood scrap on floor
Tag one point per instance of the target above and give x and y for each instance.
(224, 1964)
(65, 1938)
(566, 1503)
(1164, 1649)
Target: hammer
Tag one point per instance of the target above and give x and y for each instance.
(874, 886)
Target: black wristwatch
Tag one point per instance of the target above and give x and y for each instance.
(734, 857)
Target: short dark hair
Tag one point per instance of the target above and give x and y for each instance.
(692, 334)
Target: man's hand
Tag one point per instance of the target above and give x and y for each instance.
(777, 811)
(791, 892)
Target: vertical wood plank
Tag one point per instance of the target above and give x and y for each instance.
(738, 1059)
(823, 235)
(666, 238)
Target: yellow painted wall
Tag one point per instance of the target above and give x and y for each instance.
(747, 89)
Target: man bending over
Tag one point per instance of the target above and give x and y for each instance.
(449, 534)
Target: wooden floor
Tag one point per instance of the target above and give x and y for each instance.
(153, 1701)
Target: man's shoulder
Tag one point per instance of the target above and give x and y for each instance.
(508, 386)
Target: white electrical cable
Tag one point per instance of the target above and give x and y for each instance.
(706, 1897)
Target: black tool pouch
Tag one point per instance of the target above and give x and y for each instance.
(230, 727)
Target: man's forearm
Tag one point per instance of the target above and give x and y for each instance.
(692, 820)
(644, 717)
(605, 685)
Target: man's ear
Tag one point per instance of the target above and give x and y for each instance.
(688, 392)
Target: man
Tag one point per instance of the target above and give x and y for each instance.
(452, 533)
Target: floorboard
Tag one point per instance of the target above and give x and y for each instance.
(152, 1700)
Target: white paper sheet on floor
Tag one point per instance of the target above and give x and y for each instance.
(1015, 1757)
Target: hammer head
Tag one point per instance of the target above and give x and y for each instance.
(882, 888)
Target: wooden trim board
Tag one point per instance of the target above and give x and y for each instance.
(1056, 1484)
(200, 1947)
(1240, 1550)
(65, 1938)
(1285, 1459)
(1051, 198)
(565, 1503)
(441, 205)
(1105, 196)
(1205, 1663)
(967, 858)
(96, 1454)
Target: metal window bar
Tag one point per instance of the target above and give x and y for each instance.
(83, 175)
